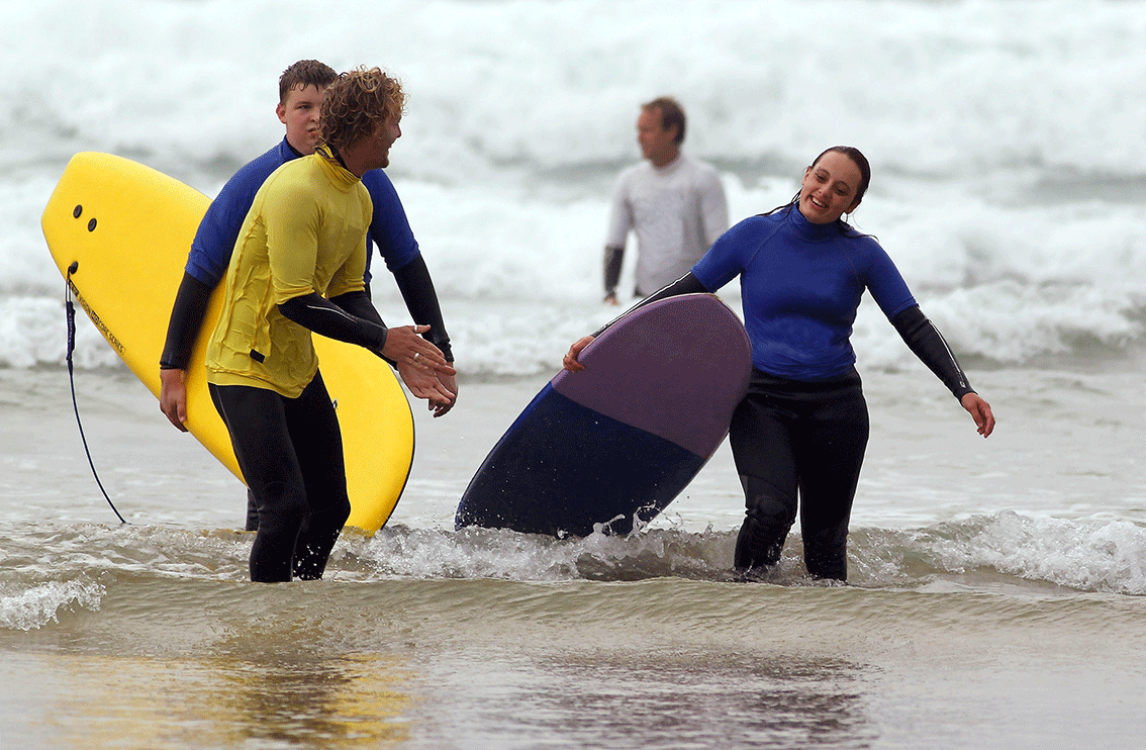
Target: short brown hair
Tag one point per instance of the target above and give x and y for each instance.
(357, 104)
(305, 73)
(671, 114)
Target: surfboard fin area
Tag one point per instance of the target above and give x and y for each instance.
(611, 447)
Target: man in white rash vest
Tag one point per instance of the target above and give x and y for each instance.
(673, 202)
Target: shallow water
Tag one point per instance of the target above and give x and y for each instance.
(969, 623)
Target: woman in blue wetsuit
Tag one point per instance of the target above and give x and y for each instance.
(803, 426)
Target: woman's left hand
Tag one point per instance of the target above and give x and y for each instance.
(570, 362)
(980, 411)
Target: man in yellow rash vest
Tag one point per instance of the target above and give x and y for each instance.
(298, 268)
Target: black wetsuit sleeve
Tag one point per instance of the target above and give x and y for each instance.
(613, 259)
(348, 320)
(924, 339)
(687, 284)
(421, 299)
(186, 319)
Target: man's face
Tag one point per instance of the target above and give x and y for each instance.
(300, 115)
(384, 138)
(658, 144)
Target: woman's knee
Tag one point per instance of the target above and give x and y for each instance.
(767, 504)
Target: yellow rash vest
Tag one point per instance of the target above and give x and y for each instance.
(305, 233)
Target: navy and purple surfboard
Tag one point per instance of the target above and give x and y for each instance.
(619, 441)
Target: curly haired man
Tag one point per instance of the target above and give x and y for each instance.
(298, 268)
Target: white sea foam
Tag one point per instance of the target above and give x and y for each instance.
(35, 607)
(1100, 555)
(1008, 167)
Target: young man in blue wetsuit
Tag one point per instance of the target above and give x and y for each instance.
(802, 429)
(301, 88)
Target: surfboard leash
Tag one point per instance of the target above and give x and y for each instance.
(71, 313)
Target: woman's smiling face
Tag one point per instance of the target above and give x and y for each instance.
(830, 188)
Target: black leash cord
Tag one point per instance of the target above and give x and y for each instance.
(71, 310)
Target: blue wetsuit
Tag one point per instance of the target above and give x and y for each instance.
(802, 429)
(801, 285)
(215, 240)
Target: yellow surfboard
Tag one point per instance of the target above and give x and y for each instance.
(128, 228)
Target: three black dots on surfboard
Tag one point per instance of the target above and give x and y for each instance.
(79, 210)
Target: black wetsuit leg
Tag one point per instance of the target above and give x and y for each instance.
(290, 451)
(794, 438)
(760, 435)
(252, 523)
(252, 512)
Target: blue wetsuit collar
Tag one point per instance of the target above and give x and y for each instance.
(288, 152)
(809, 231)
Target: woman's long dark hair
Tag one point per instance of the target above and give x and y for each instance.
(860, 160)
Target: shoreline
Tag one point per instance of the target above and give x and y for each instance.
(1065, 446)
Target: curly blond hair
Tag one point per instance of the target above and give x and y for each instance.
(357, 104)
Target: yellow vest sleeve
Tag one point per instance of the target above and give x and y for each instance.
(292, 221)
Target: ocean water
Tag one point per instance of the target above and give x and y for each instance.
(998, 587)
